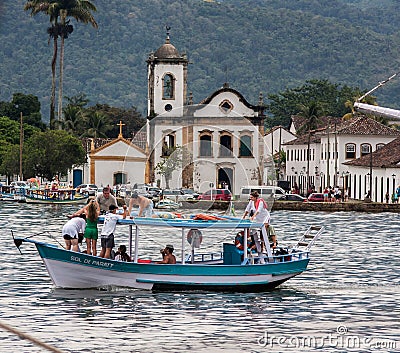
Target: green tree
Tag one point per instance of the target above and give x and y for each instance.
(52, 153)
(50, 9)
(80, 10)
(9, 159)
(130, 117)
(312, 113)
(333, 97)
(97, 124)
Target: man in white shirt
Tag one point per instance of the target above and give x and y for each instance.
(107, 232)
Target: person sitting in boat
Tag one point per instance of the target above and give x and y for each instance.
(106, 199)
(121, 254)
(73, 231)
(257, 209)
(168, 256)
(107, 232)
(145, 205)
(251, 244)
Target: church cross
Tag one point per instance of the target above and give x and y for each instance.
(120, 128)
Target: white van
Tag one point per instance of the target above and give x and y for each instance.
(264, 191)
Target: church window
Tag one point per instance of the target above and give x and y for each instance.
(379, 146)
(225, 145)
(245, 149)
(168, 86)
(205, 145)
(226, 106)
(168, 145)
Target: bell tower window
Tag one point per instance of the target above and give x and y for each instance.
(168, 86)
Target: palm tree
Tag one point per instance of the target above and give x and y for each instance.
(58, 12)
(47, 7)
(80, 10)
(73, 120)
(312, 113)
(97, 124)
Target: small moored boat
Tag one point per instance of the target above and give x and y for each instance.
(225, 270)
(60, 196)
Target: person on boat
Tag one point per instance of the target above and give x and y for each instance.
(92, 211)
(168, 256)
(73, 230)
(145, 205)
(106, 199)
(107, 232)
(257, 209)
(121, 254)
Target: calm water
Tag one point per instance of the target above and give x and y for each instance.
(348, 300)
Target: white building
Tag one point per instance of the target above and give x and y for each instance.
(331, 151)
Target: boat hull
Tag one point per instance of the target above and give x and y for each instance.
(35, 200)
(69, 269)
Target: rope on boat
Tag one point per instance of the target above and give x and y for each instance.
(29, 338)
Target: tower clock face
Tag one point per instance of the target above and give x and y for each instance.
(168, 107)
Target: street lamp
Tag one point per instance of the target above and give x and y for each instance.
(394, 183)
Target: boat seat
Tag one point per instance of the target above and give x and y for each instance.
(232, 255)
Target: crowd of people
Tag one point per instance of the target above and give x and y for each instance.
(83, 224)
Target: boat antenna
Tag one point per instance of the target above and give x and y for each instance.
(376, 87)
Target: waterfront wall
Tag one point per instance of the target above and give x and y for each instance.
(350, 206)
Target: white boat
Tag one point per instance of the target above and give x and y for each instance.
(167, 204)
(226, 270)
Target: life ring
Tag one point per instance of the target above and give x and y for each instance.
(194, 238)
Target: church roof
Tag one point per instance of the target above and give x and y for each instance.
(167, 51)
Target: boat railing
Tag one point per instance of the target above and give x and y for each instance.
(254, 258)
(206, 257)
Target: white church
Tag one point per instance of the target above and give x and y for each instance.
(218, 143)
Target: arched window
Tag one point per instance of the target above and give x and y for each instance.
(225, 145)
(168, 86)
(168, 145)
(350, 151)
(379, 146)
(205, 145)
(365, 149)
(245, 149)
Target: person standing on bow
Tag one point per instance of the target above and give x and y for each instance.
(257, 209)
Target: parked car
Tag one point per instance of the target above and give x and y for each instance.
(176, 195)
(217, 194)
(90, 189)
(316, 197)
(294, 197)
(191, 192)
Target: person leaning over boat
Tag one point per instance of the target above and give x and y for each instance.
(92, 211)
(168, 256)
(257, 209)
(145, 205)
(106, 199)
(73, 230)
(107, 232)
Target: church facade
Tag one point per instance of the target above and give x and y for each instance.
(217, 143)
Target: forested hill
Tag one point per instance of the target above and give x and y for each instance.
(255, 45)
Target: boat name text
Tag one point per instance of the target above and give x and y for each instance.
(92, 262)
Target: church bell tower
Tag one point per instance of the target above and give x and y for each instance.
(167, 81)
